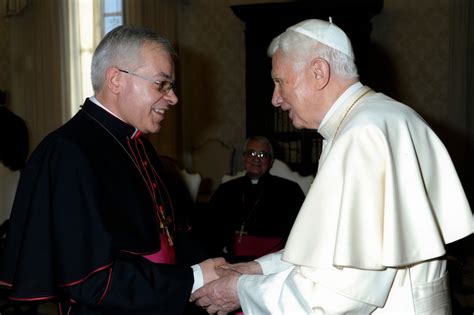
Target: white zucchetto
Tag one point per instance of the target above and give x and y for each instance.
(325, 32)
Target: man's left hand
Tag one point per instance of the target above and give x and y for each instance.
(219, 296)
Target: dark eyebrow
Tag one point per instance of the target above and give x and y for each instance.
(166, 76)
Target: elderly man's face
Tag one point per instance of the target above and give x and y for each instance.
(257, 158)
(141, 103)
(294, 92)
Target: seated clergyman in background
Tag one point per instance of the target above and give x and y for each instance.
(252, 215)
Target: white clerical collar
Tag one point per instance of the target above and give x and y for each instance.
(340, 100)
(96, 102)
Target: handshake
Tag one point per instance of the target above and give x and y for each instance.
(219, 292)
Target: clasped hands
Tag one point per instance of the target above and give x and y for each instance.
(219, 293)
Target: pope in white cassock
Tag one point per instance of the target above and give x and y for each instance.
(371, 234)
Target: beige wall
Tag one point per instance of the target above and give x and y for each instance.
(32, 66)
(407, 35)
(4, 54)
(212, 59)
(413, 61)
(212, 74)
(414, 49)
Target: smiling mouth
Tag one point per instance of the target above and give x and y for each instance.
(159, 111)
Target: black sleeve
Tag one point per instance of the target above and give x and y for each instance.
(133, 285)
(59, 249)
(216, 227)
(190, 248)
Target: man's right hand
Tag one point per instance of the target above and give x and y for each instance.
(219, 296)
(208, 268)
(249, 268)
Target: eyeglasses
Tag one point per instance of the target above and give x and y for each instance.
(163, 86)
(254, 154)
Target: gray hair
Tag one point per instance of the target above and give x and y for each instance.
(122, 47)
(303, 48)
(262, 140)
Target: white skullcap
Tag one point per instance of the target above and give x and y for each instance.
(325, 32)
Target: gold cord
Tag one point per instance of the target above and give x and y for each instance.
(349, 110)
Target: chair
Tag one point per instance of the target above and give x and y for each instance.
(212, 159)
(180, 177)
(279, 168)
(8, 184)
(227, 177)
(192, 182)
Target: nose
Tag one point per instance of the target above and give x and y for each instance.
(171, 97)
(276, 97)
(257, 160)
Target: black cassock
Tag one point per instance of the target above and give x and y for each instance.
(83, 217)
(251, 220)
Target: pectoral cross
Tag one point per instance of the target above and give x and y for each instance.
(170, 240)
(241, 232)
(164, 222)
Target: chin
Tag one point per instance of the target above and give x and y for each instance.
(154, 129)
(297, 125)
(295, 122)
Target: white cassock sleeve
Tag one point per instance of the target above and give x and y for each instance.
(301, 290)
(272, 263)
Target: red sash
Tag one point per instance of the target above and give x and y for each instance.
(248, 245)
(166, 255)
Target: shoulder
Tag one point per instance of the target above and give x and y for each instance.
(281, 181)
(228, 191)
(380, 110)
(284, 183)
(233, 183)
(230, 186)
(381, 116)
(66, 143)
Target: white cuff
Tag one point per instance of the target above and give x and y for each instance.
(272, 263)
(198, 277)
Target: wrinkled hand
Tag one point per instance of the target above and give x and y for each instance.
(249, 268)
(208, 268)
(219, 296)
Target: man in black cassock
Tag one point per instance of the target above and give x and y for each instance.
(252, 215)
(93, 226)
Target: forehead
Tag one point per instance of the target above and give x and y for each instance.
(280, 64)
(158, 58)
(257, 145)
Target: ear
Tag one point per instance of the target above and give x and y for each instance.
(321, 72)
(271, 163)
(112, 80)
(242, 158)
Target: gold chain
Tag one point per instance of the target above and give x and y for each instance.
(349, 110)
